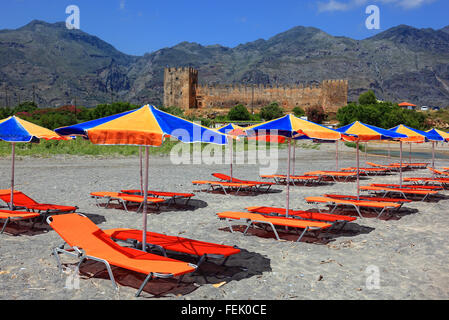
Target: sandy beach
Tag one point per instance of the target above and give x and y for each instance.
(409, 253)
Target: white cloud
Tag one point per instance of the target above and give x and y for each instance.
(345, 5)
(122, 4)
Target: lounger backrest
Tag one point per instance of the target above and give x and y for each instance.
(225, 177)
(80, 231)
(19, 198)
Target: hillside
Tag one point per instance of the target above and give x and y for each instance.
(401, 63)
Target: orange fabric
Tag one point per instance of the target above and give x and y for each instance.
(17, 215)
(412, 191)
(22, 200)
(302, 214)
(161, 193)
(226, 184)
(174, 243)
(228, 178)
(331, 173)
(81, 232)
(358, 203)
(277, 221)
(369, 198)
(125, 197)
(291, 177)
(406, 186)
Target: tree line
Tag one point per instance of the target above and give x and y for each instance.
(367, 109)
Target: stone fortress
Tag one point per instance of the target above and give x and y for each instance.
(181, 89)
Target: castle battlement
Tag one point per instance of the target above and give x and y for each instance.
(181, 89)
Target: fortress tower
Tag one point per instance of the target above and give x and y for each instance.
(180, 87)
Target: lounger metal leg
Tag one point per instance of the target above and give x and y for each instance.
(4, 225)
(302, 234)
(148, 278)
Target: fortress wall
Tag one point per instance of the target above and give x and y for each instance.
(181, 89)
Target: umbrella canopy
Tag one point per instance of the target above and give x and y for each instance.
(366, 132)
(16, 130)
(293, 127)
(415, 135)
(145, 126)
(406, 104)
(442, 134)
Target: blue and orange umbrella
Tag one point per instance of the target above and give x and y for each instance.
(364, 132)
(418, 136)
(16, 130)
(296, 128)
(443, 135)
(146, 126)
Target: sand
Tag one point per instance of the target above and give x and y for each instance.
(402, 258)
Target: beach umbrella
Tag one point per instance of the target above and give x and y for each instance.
(293, 127)
(146, 126)
(414, 135)
(16, 130)
(363, 133)
(443, 135)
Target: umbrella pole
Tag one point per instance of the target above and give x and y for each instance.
(358, 170)
(141, 168)
(366, 145)
(433, 155)
(336, 154)
(400, 165)
(410, 154)
(145, 198)
(288, 178)
(13, 158)
(294, 158)
(231, 141)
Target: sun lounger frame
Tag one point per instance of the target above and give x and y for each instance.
(82, 256)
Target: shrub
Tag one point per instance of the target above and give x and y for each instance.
(316, 114)
(271, 111)
(239, 112)
(298, 111)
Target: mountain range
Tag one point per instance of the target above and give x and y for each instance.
(57, 66)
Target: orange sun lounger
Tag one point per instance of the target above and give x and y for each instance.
(164, 243)
(171, 196)
(334, 219)
(88, 242)
(21, 200)
(367, 198)
(443, 182)
(252, 219)
(282, 179)
(391, 168)
(413, 165)
(376, 206)
(401, 191)
(335, 175)
(224, 177)
(438, 172)
(222, 185)
(406, 186)
(10, 216)
(124, 199)
(367, 171)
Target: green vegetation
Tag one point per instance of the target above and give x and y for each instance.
(381, 114)
(239, 112)
(298, 111)
(316, 114)
(271, 111)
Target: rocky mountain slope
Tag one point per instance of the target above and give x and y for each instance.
(401, 63)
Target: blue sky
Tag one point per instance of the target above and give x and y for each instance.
(141, 26)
